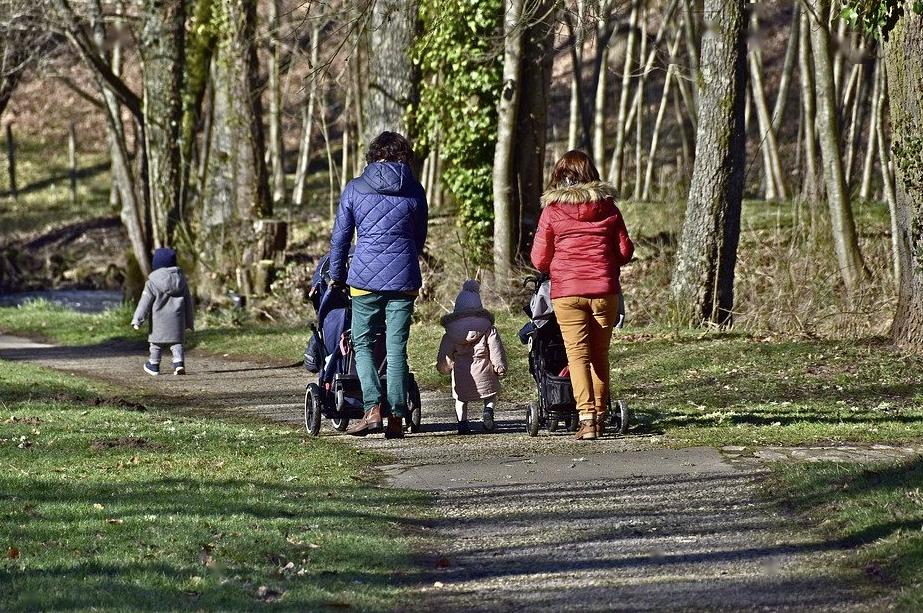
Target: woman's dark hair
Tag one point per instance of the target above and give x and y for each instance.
(574, 167)
(390, 147)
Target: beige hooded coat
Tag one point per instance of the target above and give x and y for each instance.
(472, 351)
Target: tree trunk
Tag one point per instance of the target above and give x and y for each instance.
(664, 98)
(788, 68)
(237, 183)
(692, 50)
(810, 185)
(575, 123)
(903, 50)
(11, 162)
(72, 160)
(394, 82)
(604, 31)
(845, 240)
(618, 155)
(163, 57)
(775, 185)
(276, 146)
(507, 109)
(134, 211)
(532, 120)
(887, 178)
(307, 121)
(640, 105)
(871, 144)
(200, 44)
(703, 282)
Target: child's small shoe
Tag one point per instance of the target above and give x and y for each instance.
(179, 368)
(488, 420)
(464, 427)
(152, 369)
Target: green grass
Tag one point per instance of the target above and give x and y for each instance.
(108, 507)
(687, 386)
(733, 388)
(42, 176)
(42, 319)
(876, 511)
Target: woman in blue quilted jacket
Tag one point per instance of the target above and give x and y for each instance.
(386, 210)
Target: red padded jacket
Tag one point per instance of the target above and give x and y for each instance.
(581, 240)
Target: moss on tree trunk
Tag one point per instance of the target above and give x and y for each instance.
(903, 53)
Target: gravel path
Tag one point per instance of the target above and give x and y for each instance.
(545, 523)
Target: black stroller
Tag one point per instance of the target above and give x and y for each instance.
(547, 362)
(337, 394)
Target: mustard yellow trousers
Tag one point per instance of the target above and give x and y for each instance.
(586, 325)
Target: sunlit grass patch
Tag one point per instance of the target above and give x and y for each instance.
(875, 511)
(113, 508)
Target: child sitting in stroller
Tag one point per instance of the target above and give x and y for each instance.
(472, 351)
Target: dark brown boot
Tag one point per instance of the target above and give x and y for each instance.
(395, 427)
(600, 424)
(587, 430)
(370, 422)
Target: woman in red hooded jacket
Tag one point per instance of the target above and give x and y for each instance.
(582, 242)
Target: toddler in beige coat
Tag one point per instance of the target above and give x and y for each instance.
(472, 351)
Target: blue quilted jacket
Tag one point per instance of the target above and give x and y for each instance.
(386, 209)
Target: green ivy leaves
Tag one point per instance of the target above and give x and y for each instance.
(875, 17)
(458, 54)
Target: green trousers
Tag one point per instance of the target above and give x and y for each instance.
(388, 312)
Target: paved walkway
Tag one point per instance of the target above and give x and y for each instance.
(546, 523)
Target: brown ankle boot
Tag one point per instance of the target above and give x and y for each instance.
(395, 427)
(587, 430)
(370, 422)
(600, 424)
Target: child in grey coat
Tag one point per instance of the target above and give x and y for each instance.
(471, 350)
(168, 303)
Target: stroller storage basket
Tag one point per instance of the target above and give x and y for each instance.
(557, 392)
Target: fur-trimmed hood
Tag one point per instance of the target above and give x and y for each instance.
(582, 192)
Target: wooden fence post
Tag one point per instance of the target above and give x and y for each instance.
(11, 161)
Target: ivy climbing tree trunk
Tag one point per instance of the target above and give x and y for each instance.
(703, 281)
(163, 57)
(394, 83)
(903, 50)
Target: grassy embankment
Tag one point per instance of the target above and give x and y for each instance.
(110, 505)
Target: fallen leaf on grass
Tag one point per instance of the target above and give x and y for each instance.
(12, 553)
(98, 506)
(267, 594)
(115, 521)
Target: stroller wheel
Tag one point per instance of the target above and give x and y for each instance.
(623, 417)
(414, 410)
(533, 419)
(553, 423)
(620, 417)
(312, 409)
(340, 423)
